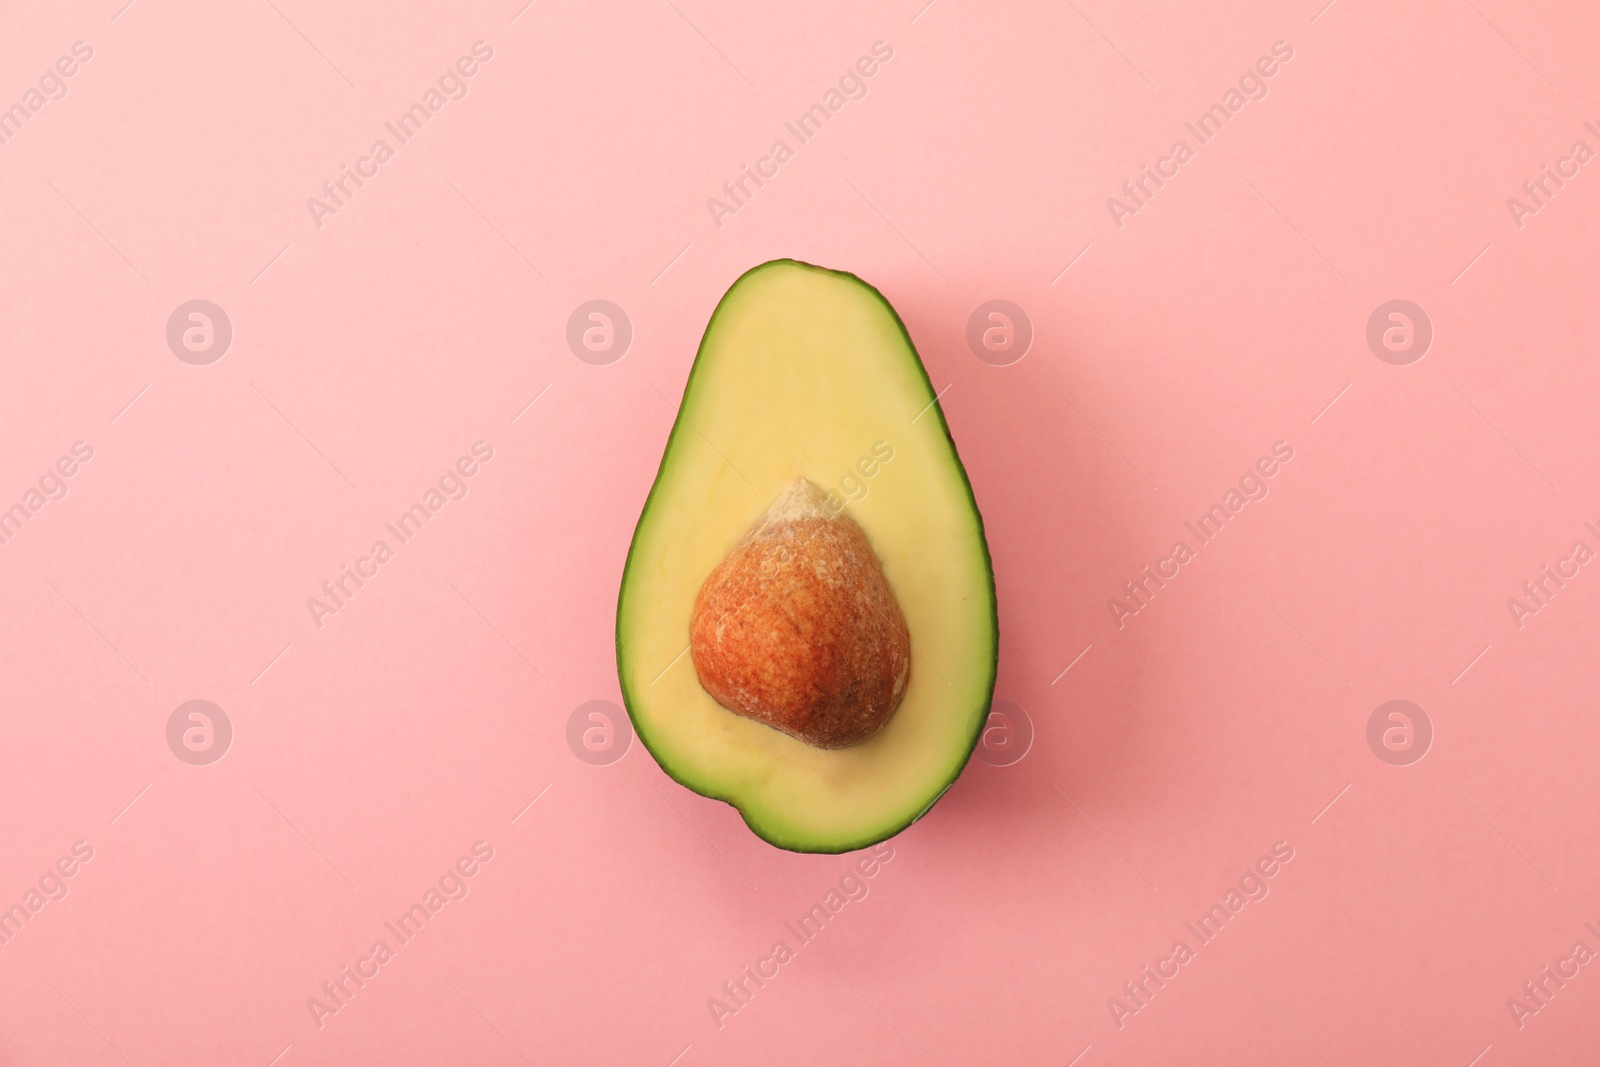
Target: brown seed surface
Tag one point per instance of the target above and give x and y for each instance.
(798, 628)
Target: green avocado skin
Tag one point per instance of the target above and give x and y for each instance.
(770, 835)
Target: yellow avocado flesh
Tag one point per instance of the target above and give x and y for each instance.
(809, 372)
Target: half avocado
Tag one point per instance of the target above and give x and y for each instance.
(809, 373)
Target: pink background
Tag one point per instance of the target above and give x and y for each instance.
(368, 354)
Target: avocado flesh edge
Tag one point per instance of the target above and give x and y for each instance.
(804, 370)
